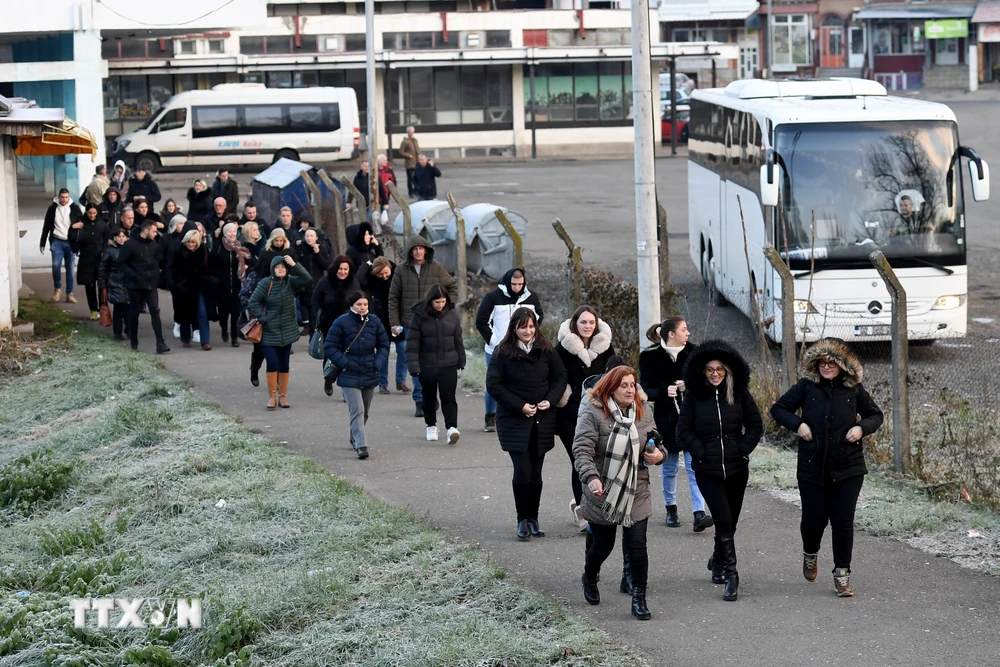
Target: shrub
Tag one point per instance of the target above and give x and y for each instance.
(617, 301)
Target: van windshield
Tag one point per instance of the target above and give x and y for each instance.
(893, 186)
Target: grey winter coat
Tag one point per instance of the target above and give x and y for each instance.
(589, 449)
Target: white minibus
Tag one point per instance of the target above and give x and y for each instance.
(245, 123)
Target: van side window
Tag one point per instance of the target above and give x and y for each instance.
(214, 121)
(313, 117)
(174, 119)
(262, 119)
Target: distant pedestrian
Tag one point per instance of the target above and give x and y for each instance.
(94, 194)
(169, 210)
(611, 454)
(527, 379)
(193, 288)
(376, 279)
(111, 281)
(435, 353)
(358, 345)
(385, 176)
(329, 298)
(216, 219)
(365, 248)
(88, 237)
(362, 181)
(252, 239)
(720, 425)
(661, 372)
(120, 177)
(285, 222)
(493, 317)
(424, 179)
(127, 220)
(409, 149)
(229, 262)
(144, 212)
(226, 188)
(585, 350)
(250, 215)
(837, 413)
(143, 185)
(410, 283)
(60, 217)
(199, 201)
(273, 304)
(139, 259)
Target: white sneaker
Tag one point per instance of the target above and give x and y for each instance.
(432, 433)
(196, 337)
(177, 330)
(453, 435)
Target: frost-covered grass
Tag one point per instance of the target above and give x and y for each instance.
(473, 378)
(901, 510)
(296, 567)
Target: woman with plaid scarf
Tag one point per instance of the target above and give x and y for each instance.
(615, 442)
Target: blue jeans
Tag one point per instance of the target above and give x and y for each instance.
(203, 328)
(383, 371)
(62, 253)
(670, 482)
(418, 392)
(491, 405)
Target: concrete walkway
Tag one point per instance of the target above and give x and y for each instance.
(910, 608)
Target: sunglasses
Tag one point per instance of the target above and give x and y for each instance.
(709, 370)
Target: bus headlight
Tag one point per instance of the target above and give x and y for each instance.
(950, 302)
(802, 306)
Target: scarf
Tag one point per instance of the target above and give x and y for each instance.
(621, 464)
(525, 346)
(242, 254)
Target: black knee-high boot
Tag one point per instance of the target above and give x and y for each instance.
(728, 547)
(715, 564)
(626, 585)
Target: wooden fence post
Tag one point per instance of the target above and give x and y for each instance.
(576, 262)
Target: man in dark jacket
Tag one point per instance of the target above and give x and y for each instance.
(143, 185)
(362, 182)
(409, 285)
(424, 179)
(493, 317)
(140, 262)
(215, 220)
(59, 219)
(226, 188)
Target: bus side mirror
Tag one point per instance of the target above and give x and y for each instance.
(980, 181)
(770, 176)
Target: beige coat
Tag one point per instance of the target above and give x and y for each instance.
(589, 447)
(410, 150)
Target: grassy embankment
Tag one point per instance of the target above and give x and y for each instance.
(111, 478)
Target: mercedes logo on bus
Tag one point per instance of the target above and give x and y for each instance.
(874, 307)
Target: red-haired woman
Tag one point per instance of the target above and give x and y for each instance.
(611, 455)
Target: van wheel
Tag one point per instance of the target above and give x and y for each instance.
(147, 161)
(287, 153)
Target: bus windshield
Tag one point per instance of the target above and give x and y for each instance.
(892, 186)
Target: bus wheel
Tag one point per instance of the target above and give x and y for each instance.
(147, 161)
(286, 153)
(708, 275)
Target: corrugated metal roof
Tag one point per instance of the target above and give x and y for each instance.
(988, 11)
(675, 11)
(919, 12)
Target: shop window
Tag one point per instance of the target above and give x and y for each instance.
(791, 40)
(451, 97)
(161, 88)
(134, 97)
(581, 94)
(112, 97)
(185, 82)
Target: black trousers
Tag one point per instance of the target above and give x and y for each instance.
(119, 315)
(92, 301)
(602, 543)
(574, 478)
(229, 313)
(527, 480)
(834, 504)
(410, 189)
(443, 381)
(724, 498)
(150, 299)
(257, 357)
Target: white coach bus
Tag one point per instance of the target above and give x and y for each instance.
(873, 171)
(245, 123)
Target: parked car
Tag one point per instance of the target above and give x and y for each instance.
(667, 125)
(682, 98)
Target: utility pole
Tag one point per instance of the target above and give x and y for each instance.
(645, 187)
(373, 206)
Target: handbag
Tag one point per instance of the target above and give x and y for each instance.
(317, 339)
(330, 370)
(105, 313)
(253, 330)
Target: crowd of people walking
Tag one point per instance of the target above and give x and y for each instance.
(686, 405)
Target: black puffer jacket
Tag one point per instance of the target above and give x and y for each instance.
(110, 212)
(110, 276)
(199, 204)
(140, 262)
(657, 372)
(434, 339)
(830, 408)
(527, 377)
(362, 253)
(329, 299)
(378, 294)
(718, 434)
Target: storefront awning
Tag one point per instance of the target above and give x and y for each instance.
(67, 139)
(987, 11)
(685, 11)
(884, 13)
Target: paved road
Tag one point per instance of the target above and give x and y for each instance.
(911, 609)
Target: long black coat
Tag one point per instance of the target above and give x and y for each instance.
(526, 378)
(572, 353)
(90, 243)
(378, 294)
(110, 276)
(719, 435)
(434, 339)
(199, 204)
(316, 263)
(831, 409)
(329, 299)
(224, 267)
(140, 262)
(191, 278)
(657, 372)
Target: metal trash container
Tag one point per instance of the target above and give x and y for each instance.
(489, 249)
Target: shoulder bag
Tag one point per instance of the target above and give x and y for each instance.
(253, 330)
(317, 339)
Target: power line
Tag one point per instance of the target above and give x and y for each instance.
(165, 25)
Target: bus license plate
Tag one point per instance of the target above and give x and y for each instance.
(871, 330)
